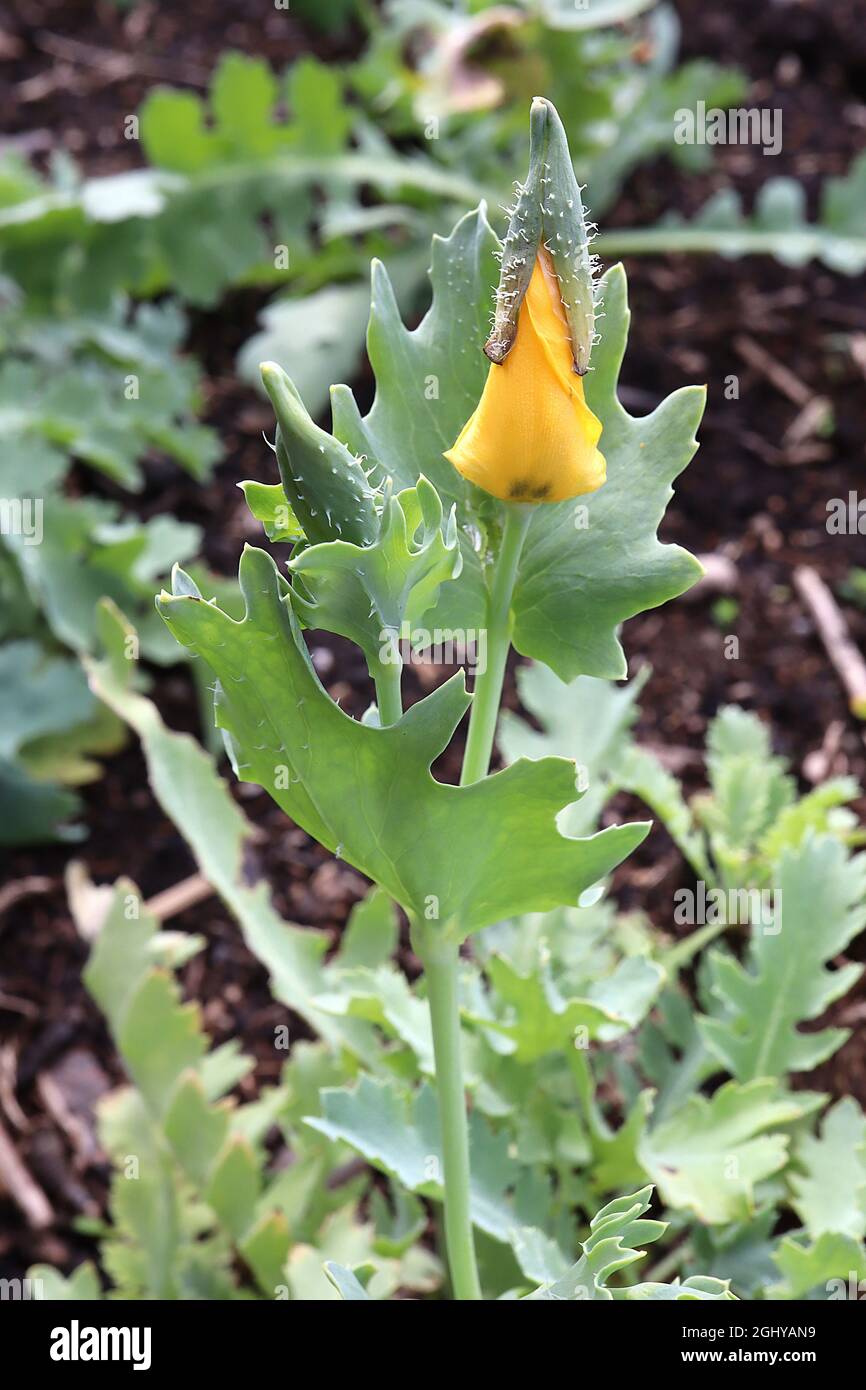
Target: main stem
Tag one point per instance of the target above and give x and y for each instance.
(441, 955)
(488, 684)
(389, 701)
(440, 969)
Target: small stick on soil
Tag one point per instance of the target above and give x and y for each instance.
(8, 1081)
(808, 422)
(115, 66)
(833, 631)
(179, 897)
(776, 372)
(857, 349)
(11, 893)
(22, 1188)
(818, 764)
(813, 411)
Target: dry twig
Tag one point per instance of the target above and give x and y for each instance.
(833, 631)
(21, 1187)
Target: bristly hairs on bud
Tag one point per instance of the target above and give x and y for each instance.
(549, 213)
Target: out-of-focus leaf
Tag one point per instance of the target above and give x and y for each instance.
(107, 411)
(708, 1156)
(542, 1021)
(743, 1253)
(785, 980)
(317, 340)
(833, 1267)
(641, 772)
(82, 1285)
(344, 1250)
(399, 1224)
(778, 226)
(565, 14)
(399, 1133)
(89, 552)
(371, 933)
(586, 719)
(381, 996)
(50, 728)
(347, 1283)
(830, 1191)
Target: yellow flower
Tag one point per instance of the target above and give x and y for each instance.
(532, 437)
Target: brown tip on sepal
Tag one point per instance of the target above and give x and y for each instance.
(498, 348)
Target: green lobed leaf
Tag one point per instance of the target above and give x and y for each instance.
(539, 1020)
(189, 789)
(779, 226)
(375, 593)
(398, 1132)
(289, 736)
(82, 1285)
(785, 980)
(831, 1267)
(172, 1118)
(268, 504)
(347, 1283)
(370, 936)
(830, 1191)
(345, 1246)
(615, 1233)
(589, 565)
(749, 789)
(585, 719)
(708, 1156)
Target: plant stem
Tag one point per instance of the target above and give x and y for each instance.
(440, 968)
(488, 684)
(441, 954)
(389, 701)
(679, 956)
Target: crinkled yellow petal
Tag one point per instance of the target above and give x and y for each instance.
(532, 437)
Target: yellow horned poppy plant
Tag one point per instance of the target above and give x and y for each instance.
(532, 437)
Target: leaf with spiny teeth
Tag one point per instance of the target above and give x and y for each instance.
(366, 593)
(325, 484)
